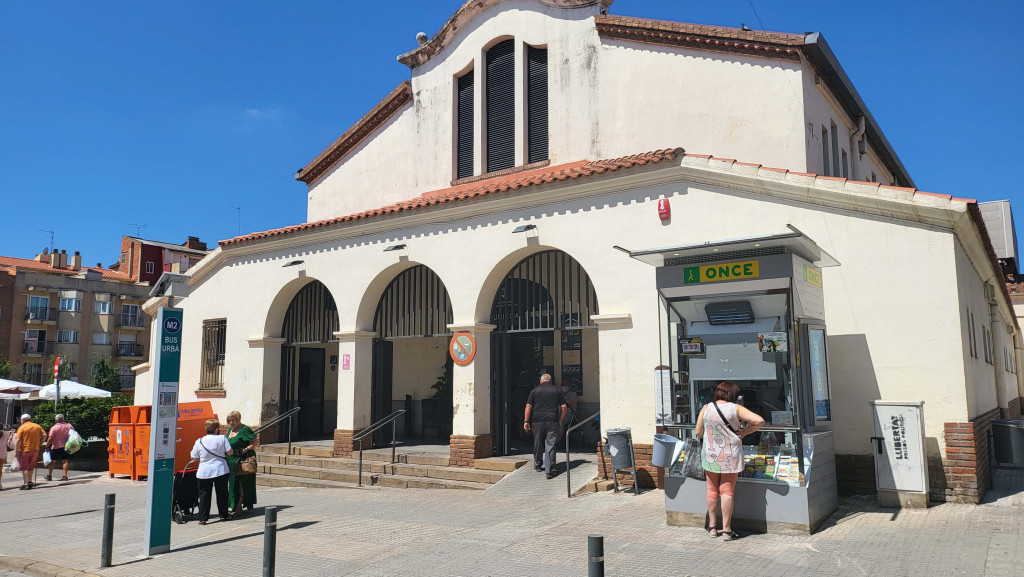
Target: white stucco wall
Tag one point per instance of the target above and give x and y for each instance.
(892, 306)
(607, 98)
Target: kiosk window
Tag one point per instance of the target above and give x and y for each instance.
(753, 354)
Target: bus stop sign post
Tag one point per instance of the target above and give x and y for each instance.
(163, 432)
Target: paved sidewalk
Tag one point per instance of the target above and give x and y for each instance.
(384, 532)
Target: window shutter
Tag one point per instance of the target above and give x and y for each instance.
(464, 134)
(501, 106)
(536, 104)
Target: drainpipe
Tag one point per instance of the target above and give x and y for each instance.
(857, 143)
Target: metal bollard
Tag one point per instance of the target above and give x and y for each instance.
(107, 544)
(595, 552)
(270, 542)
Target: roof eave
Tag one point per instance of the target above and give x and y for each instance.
(828, 68)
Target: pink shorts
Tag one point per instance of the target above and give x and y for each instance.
(27, 460)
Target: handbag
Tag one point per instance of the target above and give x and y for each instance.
(692, 466)
(246, 466)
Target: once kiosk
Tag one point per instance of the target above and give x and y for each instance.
(751, 312)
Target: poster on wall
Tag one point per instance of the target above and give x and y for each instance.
(572, 359)
(774, 342)
(819, 375)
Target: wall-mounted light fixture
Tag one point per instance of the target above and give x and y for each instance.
(292, 263)
(394, 247)
(524, 228)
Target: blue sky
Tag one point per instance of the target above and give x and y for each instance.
(171, 114)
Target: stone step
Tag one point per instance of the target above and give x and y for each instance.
(411, 458)
(301, 474)
(334, 463)
(447, 473)
(270, 480)
(499, 464)
(282, 449)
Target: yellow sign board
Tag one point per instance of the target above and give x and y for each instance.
(716, 272)
(812, 276)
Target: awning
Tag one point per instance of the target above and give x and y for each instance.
(797, 242)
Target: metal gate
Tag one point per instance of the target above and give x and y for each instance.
(311, 318)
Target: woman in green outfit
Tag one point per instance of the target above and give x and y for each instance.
(242, 486)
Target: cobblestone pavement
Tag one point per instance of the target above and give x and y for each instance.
(384, 532)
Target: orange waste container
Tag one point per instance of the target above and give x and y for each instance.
(121, 446)
(191, 426)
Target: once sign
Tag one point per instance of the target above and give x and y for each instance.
(717, 272)
(462, 348)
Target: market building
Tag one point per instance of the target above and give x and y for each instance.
(600, 197)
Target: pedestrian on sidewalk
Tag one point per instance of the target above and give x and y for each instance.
(545, 409)
(242, 486)
(28, 441)
(722, 451)
(212, 451)
(55, 443)
(6, 445)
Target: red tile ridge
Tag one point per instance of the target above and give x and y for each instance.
(945, 196)
(773, 169)
(372, 120)
(900, 188)
(723, 159)
(833, 178)
(516, 181)
(755, 165)
(965, 200)
(811, 174)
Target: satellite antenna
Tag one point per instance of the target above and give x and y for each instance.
(239, 209)
(138, 227)
(51, 236)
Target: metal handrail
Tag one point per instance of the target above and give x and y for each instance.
(286, 415)
(568, 463)
(393, 419)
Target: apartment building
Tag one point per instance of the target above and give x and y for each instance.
(51, 306)
(145, 260)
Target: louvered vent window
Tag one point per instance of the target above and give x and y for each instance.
(536, 104)
(464, 136)
(501, 106)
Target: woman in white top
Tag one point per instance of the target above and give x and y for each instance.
(212, 451)
(722, 451)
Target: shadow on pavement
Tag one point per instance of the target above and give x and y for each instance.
(290, 526)
(52, 516)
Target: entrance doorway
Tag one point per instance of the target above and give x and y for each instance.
(309, 326)
(542, 314)
(411, 369)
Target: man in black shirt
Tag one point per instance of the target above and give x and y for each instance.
(545, 408)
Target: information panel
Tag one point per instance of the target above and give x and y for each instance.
(163, 431)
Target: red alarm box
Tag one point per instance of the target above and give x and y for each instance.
(664, 210)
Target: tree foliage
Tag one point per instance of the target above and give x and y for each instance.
(90, 417)
(105, 376)
(6, 368)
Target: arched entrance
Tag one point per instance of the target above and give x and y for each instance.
(542, 315)
(309, 377)
(411, 366)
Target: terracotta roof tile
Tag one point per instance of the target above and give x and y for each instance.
(372, 120)
(502, 184)
(564, 172)
(13, 263)
(700, 36)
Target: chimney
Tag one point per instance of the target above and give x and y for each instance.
(43, 256)
(76, 261)
(193, 242)
(54, 259)
(63, 259)
(99, 265)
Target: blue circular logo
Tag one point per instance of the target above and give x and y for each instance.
(172, 325)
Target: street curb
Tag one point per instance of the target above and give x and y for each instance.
(38, 568)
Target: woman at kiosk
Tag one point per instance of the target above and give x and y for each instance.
(722, 451)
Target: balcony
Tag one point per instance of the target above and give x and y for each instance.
(41, 315)
(38, 348)
(132, 321)
(128, 350)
